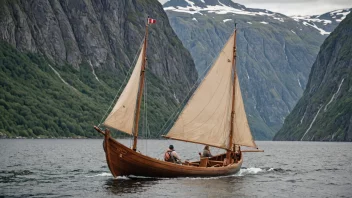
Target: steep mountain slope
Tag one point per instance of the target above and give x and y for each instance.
(324, 113)
(275, 53)
(71, 58)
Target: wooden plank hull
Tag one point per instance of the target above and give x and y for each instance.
(123, 161)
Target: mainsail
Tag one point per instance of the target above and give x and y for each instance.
(122, 115)
(206, 117)
(241, 132)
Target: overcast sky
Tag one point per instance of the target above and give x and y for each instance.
(296, 7)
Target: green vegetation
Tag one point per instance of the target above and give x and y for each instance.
(35, 102)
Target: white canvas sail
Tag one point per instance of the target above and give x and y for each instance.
(122, 115)
(241, 132)
(206, 117)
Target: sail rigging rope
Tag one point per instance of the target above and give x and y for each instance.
(123, 82)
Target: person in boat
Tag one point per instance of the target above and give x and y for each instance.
(172, 156)
(238, 153)
(206, 152)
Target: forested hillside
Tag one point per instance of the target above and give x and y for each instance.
(62, 63)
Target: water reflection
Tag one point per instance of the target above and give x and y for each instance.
(208, 187)
(211, 187)
(129, 185)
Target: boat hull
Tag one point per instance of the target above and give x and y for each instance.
(123, 161)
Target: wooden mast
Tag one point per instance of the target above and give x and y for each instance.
(141, 86)
(229, 148)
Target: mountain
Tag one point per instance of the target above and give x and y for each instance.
(275, 53)
(324, 113)
(62, 62)
(326, 22)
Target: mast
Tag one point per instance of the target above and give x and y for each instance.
(229, 148)
(141, 86)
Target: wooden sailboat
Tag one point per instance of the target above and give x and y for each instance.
(213, 116)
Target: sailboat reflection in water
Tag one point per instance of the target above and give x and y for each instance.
(214, 116)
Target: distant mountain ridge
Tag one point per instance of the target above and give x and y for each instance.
(275, 53)
(325, 23)
(324, 113)
(217, 7)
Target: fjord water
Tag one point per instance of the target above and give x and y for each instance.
(77, 168)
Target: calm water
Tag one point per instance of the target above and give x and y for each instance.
(77, 168)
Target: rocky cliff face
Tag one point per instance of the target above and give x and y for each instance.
(324, 113)
(101, 37)
(275, 53)
(102, 33)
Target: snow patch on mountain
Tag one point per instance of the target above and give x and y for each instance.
(336, 15)
(322, 22)
(279, 19)
(322, 32)
(309, 19)
(220, 8)
(225, 20)
(344, 13)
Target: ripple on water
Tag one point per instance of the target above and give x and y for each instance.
(326, 169)
(17, 172)
(15, 165)
(291, 181)
(94, 171)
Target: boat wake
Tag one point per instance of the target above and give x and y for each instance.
(101, 175)
(246, 171)
(251, 171)
(241, 173)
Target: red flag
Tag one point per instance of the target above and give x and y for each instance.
(151, 21)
